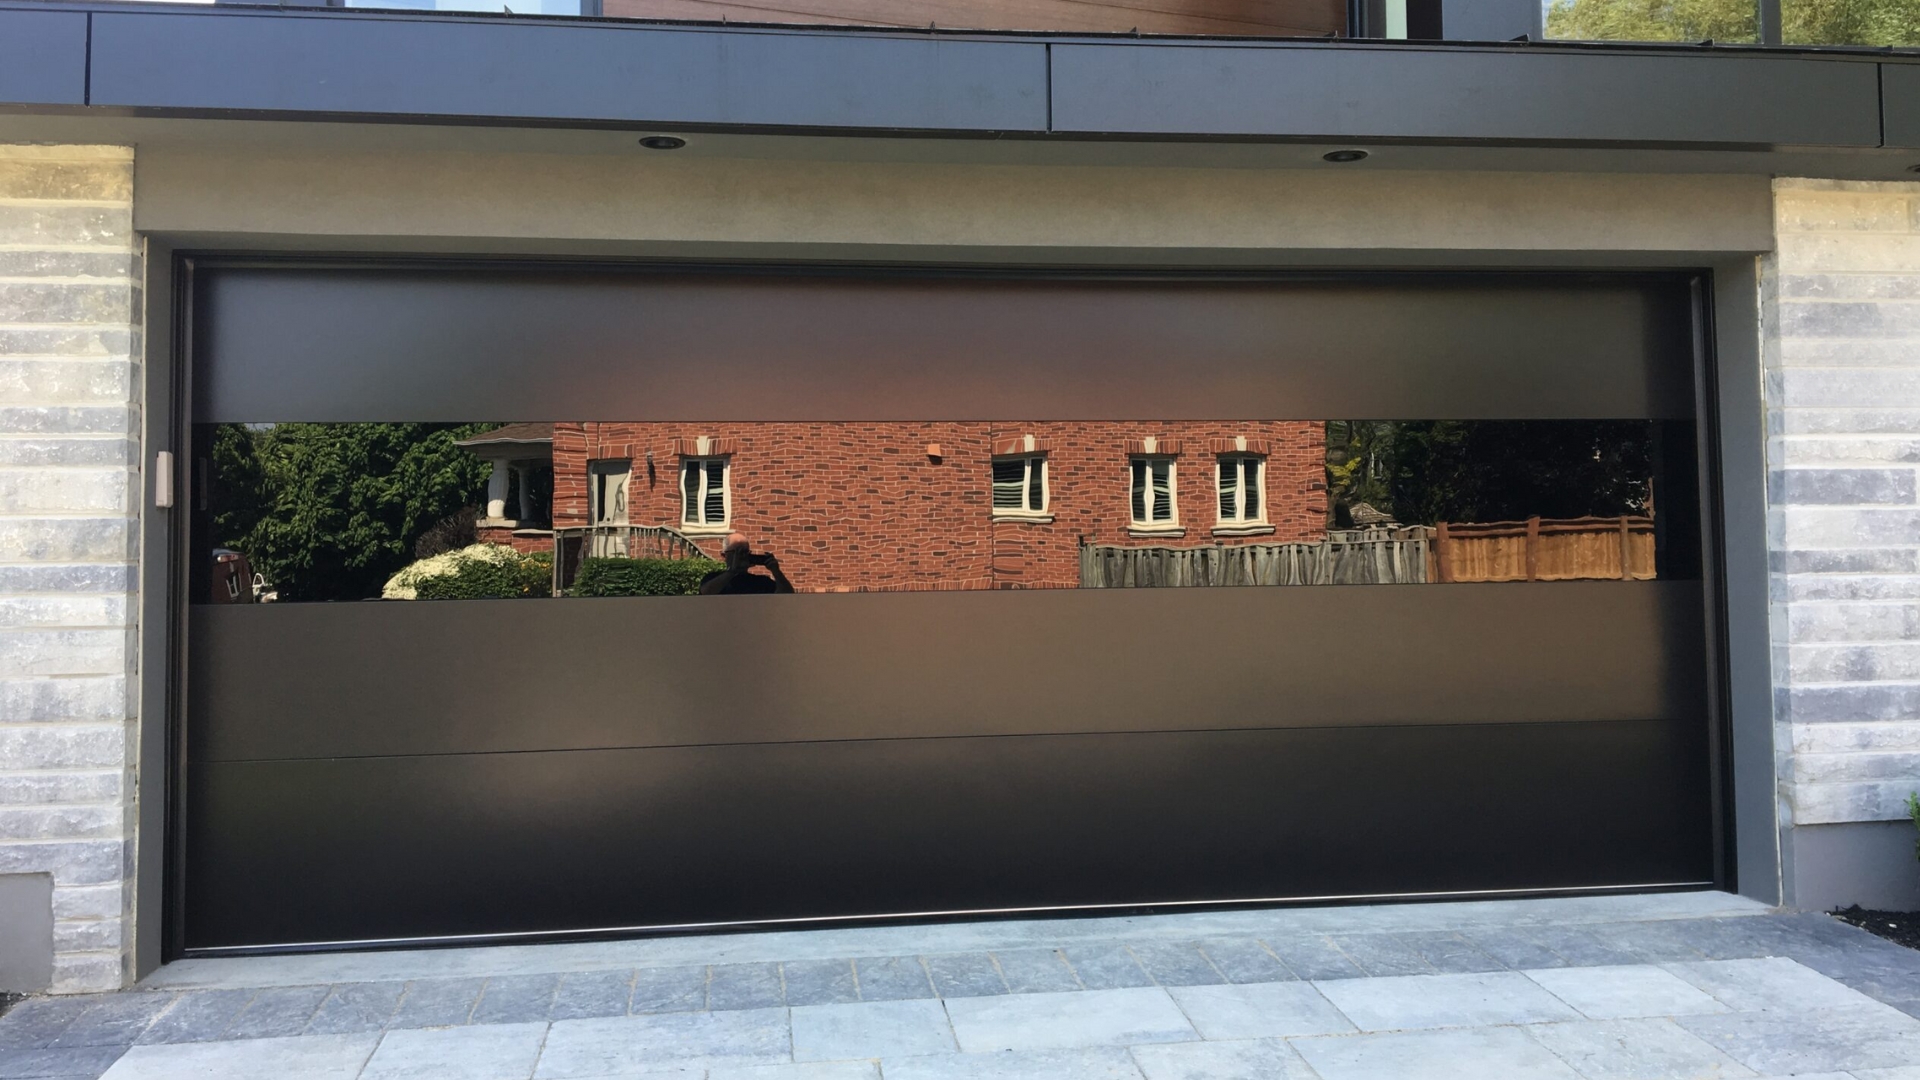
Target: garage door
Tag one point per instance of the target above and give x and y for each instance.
(1085, 590)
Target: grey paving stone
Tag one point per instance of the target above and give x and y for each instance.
(1106, 967)
(1036, 971)
(689, 1040)
(355, 1007)
(1254, 1059)
(276, 1012)
(1314, 958)
(1400, 1003)
(34, 1023)
(745, 986)
(584, 994)
(115, 1020)
(806, 1070)
(1635, 1050)
(871, 1029)
(965, 975)
(1515, 947)
(1826, 1040)
(478, 1052)
(1475, 1054)
(1737, 939)
(1383, 954)
(1092, 1063)
(820, 982)
(1581, 947)
(1451, 954)
(892, 978)
(1245, 960)
(1775, 983)
(1176, 963)
(1904, 1072)
(1059, 1021)
(1619, 993)
(437, 1003)
(1259, 1010)
(516, 999)
(67, 1061)
(669, 990)
(304, 1057)
(197, 1017)
(1657, 941)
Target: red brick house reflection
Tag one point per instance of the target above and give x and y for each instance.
(888, 506)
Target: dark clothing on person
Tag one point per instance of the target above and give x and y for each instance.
(729, 582)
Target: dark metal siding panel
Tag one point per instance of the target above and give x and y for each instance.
(43, 58)
(630, 672)
(345, 65)
(1900, 97)
(494, 843)
(450, 345)
(1470, 95)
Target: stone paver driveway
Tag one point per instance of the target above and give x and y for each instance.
(1614, 988)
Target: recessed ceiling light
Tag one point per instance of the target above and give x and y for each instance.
(1342, 157)
(662, 142)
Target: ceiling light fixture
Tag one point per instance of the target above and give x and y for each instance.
(662, 142)
(1343, 157)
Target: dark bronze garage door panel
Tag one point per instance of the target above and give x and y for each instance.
(1490, 714)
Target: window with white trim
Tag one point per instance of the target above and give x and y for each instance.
(1151, 490)
(705, 501)
(607, 491)
(1020, 486)
(1242, 484)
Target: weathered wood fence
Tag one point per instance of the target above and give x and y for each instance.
(1345, 557)
(1534, 550)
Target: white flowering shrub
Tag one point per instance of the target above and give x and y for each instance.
(405, 584)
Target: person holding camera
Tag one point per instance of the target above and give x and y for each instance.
(740, 576)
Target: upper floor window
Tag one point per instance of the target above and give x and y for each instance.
(705, 503)
(1242, 484)
(1153, 505)
(1020, 486)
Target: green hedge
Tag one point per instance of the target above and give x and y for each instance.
(642, 577)
(479, 579)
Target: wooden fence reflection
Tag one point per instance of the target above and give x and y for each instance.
(1537, 549)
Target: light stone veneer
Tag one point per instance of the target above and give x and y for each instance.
(1842, 341)
(70, 348)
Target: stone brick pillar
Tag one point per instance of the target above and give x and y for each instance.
(1842, 352)
(70, 349)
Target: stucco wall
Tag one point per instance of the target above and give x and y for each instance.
(1842, 356)
(70, 350)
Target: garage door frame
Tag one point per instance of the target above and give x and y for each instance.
(1732, 463)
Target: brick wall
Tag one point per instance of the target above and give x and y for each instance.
(69, 489)
(1843, 389)
(864, 505)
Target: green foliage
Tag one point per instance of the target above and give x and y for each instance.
(1913, 811)
(1850, 22)
(330, 511)
(642, 577)
(1808, 22)
(1654, 20)
(484, 579)
(1427, 471)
